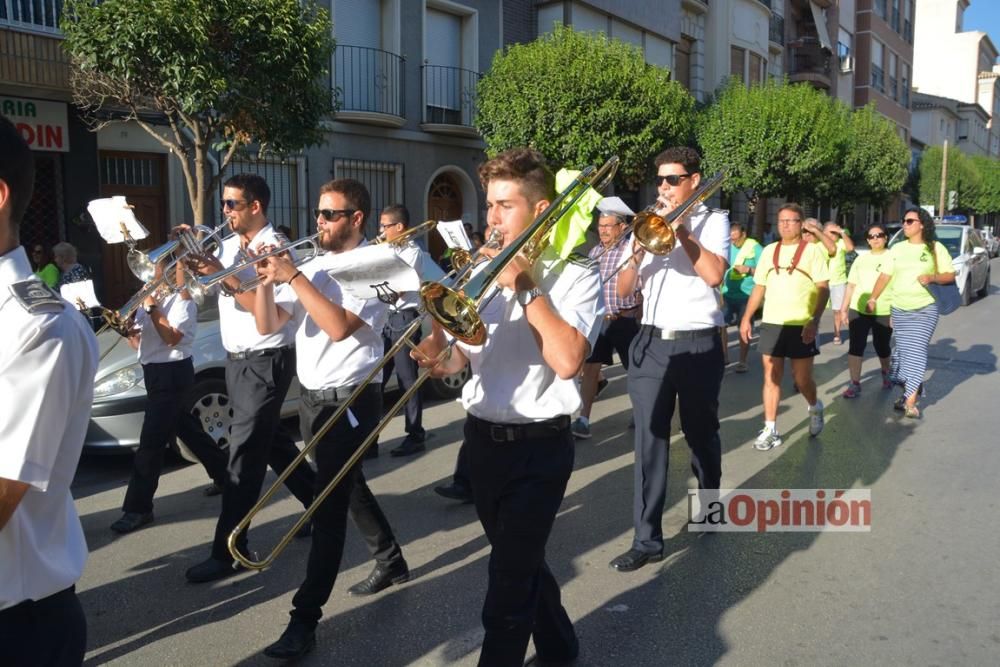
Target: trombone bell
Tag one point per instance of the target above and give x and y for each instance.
(454, 311)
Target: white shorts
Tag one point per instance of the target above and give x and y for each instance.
(837, 295)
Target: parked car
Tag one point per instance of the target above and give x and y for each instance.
(120, 396)
(991, 242)
(968, 254)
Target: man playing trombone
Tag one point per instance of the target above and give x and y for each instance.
(522, 392)
(339, 342)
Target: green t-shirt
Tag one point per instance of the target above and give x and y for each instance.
(791, 297)
(738, 285)
(911, 260)
(49, 275)
(838, 264)
(864, 273)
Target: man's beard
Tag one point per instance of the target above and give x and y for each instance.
(335, 242)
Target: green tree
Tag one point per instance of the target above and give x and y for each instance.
(876, 164)
(963, 178)
(986, 198)
(774, 140)
(580, 98)
(203, 75)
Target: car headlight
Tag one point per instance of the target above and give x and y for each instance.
(119, 381)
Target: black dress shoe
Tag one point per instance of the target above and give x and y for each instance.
(408, 446)
(294, 642)
(633, 559)
(455, 491)
(212, 489)
(211, 570)
(132, 521)
(383, 576)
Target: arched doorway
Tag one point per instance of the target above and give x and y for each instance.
(444, 202)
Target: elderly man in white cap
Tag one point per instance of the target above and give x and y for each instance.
(620, 319)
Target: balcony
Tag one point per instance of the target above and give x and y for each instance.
(810, 63)
(878, 79)
(895, 19)
(905, 94)
(33, 60)
(893, 89)
(31, 15)
(450, 95)
(776, 30)
(369, 84)
(908, 30)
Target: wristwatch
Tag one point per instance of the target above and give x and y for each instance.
(149, 309)
(524, 297)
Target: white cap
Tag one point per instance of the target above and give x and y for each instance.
(614, 206)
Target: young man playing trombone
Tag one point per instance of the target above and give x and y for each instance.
(339, 343)
(523, 389)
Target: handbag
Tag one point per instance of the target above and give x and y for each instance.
(947, 296)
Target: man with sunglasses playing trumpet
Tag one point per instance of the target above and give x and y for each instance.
(259, 369)
(677, 354)
(523, 389)
(339, 341)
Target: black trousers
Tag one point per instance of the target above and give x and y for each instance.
(859, 324)
(518, 487)
(166, 386)
(51, 632)
(462, 475)
(406, 369)
(664, 372)
(330, 519)
(257, 388)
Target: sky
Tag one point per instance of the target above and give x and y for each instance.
(984, 15)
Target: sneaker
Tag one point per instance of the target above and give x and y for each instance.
(900, 404)
(740, 367)
(853, 390)
(767, 439)
(816, 419)
(580, 430)
(886, 382)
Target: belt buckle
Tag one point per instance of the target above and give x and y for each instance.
(501, 433)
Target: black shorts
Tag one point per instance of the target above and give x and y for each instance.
(785, 340)
(616, 337)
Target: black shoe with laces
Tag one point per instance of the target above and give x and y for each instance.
(212, 569)
(132, 521)
(410, 445)
(454, 491)
(381, 577)
(633, 559)
(295, 642)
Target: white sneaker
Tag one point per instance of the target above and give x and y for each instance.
(816, 419)
(767, 439)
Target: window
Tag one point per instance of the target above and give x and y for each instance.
(894, 20)
(878, 76)
(682, 65)
(450, 69)
(737, 57)
(893, 90)
(33, 15)
(904, 85)
(844, 41)
(658, 51)
(287, 206)
(367, 69)
(757, 65)
(880, 8)
(384, 181)
(963, 130)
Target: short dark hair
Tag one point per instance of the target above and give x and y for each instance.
(17, 170)
(738, 225)
(397, 213)
(353, 191)
(685, 156)
(795, 208)
(254, 188)
(527, 167)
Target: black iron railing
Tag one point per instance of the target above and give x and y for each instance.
(776, 29)
(369, 80)
(33, 15)
(449, 95)
(878, 79)
(809, 59)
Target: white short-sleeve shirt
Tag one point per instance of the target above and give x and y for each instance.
(511, 383)
(182, 314)
(322, 363)
(237, 326)
(425, 267)
(674, 296)
(48, 359)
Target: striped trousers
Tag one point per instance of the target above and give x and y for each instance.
(912, 331)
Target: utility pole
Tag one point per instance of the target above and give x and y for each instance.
(944, 179)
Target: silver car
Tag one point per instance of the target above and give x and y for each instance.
(120, 396)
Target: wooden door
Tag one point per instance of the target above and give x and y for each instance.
(444, 202)
(141, 178)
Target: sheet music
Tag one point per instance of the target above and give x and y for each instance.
(453, 233)
(109, 214)
(82, 290)
(371, 271)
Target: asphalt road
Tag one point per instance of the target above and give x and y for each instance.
(920, 588)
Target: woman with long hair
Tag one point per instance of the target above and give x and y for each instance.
(919, 261)
(43, 265)
(865, 272)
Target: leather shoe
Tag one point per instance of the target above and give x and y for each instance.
(633, 559)
(455, 491)
(382, 576)
(132, 521)
(295, 642)
(212, 489)
(212, 569)
(408, 446)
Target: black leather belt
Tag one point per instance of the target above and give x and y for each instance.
(514, 432)
(331, 395)
(683, 334)
(254, 354)
(625, 312)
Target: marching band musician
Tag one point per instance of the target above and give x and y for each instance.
(259, 369)
(519, 400)
(677, 353)
(339, 341)
(48, 358)
(163, 337)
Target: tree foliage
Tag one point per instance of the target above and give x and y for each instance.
(986, 198)
(580, 98)
(774, 139)
(876, 164)
(963, 178)
(221, 74)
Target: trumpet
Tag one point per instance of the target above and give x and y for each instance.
(410, 234)
(143, 264)
(313, 250)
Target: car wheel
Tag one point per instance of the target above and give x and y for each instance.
(967, 292)
(986, 287)
(450, 386)
(208, 401)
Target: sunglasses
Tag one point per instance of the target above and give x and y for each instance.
(391, 224)
(673, 179)
(910, 221)
(333, 214)
(232, 204)
(872, 237)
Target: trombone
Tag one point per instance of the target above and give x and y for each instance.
(533, 236)
(213, 279)
(424, 227)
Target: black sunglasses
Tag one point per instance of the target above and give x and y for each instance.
(910, 221)
(875, 236)
(332, 214)
(673, 179)
(231, 204)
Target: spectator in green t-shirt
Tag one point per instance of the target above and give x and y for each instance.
(744, 253)
(43, 266)
(842, 244)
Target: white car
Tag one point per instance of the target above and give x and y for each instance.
(991, 241)
(120, 396)
(968, 254)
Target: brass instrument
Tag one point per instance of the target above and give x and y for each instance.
(413, 232)
(213, 279)
(542, 224)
